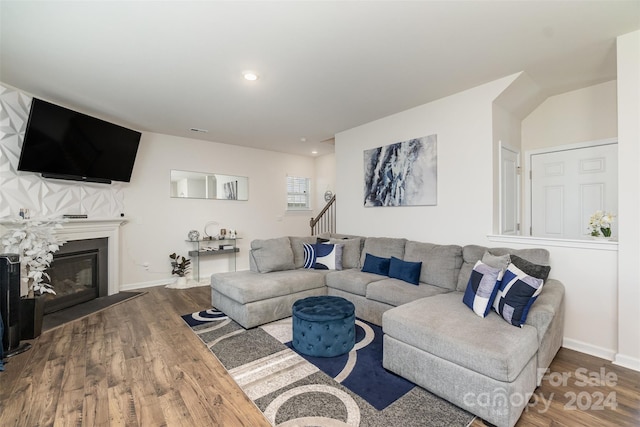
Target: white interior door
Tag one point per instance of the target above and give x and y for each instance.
(509, 191)
(568, 186)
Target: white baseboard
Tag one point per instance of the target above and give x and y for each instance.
(593, 350)
(141, 285)
(604, 353)
(165, 281)
(627, 362)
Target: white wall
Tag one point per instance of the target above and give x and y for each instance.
(587, 114)
(509, 108)
(589, 274)
(464, 213)
(468, 129)
(43, 197)
(628, 56)
(325, 179)
(159, 224)
(506, 131)
(582, 115)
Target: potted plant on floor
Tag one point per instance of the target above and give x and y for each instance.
(180, 267)
(35, 241)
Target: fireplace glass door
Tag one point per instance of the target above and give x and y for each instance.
(74, 278)
(78, 274)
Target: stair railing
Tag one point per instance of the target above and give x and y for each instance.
(325, 222)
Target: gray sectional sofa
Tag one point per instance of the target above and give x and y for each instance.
(484, 365)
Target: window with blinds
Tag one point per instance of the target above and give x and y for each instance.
(298, 190)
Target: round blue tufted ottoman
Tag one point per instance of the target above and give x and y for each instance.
(324, 326)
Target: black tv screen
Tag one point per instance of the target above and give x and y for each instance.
(62, 143)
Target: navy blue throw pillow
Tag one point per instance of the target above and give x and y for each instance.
(405, 270)
(376, 265)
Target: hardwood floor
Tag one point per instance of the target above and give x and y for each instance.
(138, 364)
(582, 390)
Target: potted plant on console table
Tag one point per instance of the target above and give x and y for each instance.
(35, 241)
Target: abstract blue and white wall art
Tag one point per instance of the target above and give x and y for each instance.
(402, 174)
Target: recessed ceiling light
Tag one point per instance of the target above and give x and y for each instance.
(250, 75)
(314, 152)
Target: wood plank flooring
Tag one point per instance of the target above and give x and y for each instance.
(138, 364)
(133, 364)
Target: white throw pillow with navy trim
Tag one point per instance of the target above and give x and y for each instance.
(323, 256)
(328, 256)
(309, 255)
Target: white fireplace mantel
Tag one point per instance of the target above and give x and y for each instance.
(80, 229)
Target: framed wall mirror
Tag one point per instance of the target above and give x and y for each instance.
(215, 186)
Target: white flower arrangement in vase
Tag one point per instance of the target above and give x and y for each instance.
(600, 222)
(35, 241)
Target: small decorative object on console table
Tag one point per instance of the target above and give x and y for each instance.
(209, 229)
(193, 235)
(600, 225)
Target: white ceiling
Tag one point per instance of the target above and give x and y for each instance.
(324, 66)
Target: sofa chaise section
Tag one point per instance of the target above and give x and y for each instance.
(462, 358)
(484, 365)
(252, 299)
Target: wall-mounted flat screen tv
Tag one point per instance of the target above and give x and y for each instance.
(64, 144)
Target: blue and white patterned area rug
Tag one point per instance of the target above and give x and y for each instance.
(352, 390)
